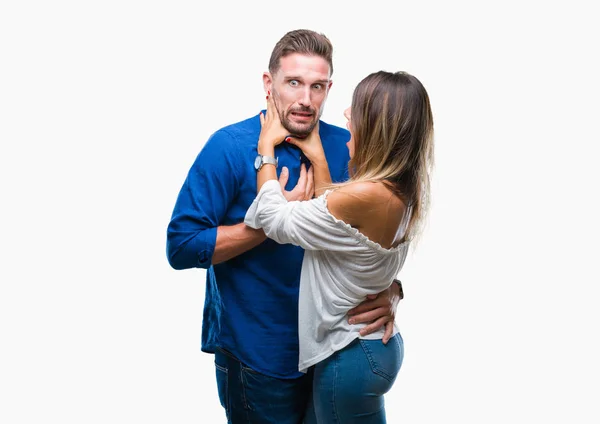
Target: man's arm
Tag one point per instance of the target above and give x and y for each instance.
(194, 237)
(234, 240)
(206, 195)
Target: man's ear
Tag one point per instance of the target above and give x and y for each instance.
(267, 82)
(330, 84)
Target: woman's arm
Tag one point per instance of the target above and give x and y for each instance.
(322, 176)
(272, 133)
(307, 224)
(312, 148)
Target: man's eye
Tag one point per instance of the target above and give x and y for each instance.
(293, 83)
(318, 86)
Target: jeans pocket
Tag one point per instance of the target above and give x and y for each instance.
(272, 400)
(255, 387)
(385, 360)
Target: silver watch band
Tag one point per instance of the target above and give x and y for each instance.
(261, 160)
(269, 159)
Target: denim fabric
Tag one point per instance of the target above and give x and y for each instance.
(348, 387)
(250, 397)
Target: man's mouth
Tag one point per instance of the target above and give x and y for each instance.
(302, 116)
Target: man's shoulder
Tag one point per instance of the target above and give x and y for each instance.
(247, 126)
(238, 132)
(334, 141)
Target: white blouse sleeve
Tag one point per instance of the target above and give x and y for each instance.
(306, 224)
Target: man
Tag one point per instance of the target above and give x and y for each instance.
(250, 316)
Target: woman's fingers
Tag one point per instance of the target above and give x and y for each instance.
(389, 330)
(271, 112)
(310, 184)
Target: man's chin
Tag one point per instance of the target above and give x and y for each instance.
(299, 135)
(300, 131)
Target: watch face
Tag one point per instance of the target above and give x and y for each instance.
(257, 162)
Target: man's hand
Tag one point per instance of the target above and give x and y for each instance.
(305, 188)
(378, 310)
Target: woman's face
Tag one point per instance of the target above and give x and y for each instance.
(350, 143)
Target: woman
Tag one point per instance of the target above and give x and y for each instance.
(356, 237)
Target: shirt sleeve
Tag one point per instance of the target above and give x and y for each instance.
(306, 224)
(210, 187)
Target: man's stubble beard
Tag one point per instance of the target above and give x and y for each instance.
(288, 125)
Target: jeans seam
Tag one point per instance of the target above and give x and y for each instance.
(220, 368)
(226, 399)
(248, 369)
(335, 377)
(247, 408)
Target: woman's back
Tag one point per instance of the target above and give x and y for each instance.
(372, 208)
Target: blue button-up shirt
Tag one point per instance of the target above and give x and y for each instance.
(251, 303)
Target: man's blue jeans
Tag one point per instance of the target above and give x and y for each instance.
(348, 387)
(251, 397)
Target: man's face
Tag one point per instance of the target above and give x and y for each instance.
(299, 89)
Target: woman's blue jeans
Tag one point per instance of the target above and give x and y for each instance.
(348, 387)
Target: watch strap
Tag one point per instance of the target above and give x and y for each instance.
(269, 159)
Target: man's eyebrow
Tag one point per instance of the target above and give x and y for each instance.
(322, 81)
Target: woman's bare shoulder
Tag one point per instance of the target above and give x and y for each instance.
(359, 201)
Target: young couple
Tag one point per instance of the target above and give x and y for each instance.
(300, 296)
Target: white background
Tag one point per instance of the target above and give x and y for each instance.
(104, 106)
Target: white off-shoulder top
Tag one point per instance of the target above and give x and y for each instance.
(341, 266)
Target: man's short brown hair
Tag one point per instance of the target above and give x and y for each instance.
(303, 41)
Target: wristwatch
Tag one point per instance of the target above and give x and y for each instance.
(261, 160)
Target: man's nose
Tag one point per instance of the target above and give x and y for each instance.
(304, 99)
